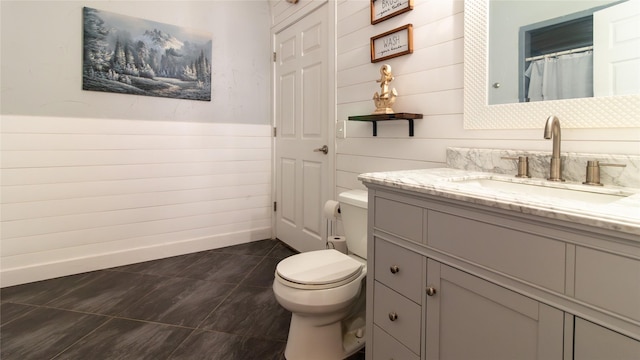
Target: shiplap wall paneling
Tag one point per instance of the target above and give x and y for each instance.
(83, 194)
(429, 81)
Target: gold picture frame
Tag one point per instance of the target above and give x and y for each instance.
(382, 10)
(393, 43)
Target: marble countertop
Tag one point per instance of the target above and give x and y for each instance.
(621, 215)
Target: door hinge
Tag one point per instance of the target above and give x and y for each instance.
(274, 56)
(275, 131)
(275, 206)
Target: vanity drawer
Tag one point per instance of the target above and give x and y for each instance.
(398, 316)
(399, 219)
(385, 347)
(399, 269)
(609, 281)
(495, 243)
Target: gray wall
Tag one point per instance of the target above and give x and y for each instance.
(42, 61)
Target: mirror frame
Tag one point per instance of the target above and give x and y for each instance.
(621, 111)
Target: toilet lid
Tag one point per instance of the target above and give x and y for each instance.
(319, 268)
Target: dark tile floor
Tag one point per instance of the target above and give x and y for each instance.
(215, 304)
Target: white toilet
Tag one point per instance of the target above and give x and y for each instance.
(325, 291)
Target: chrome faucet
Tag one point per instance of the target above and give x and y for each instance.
(552, 131)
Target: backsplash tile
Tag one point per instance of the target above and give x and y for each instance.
(573, 164)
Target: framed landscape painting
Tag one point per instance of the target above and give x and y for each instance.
(127, 55)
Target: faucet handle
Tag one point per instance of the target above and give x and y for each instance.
(523, 165)
(593, 172)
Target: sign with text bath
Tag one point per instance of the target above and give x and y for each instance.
(382, 10)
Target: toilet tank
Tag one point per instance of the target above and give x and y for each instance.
(353, 210)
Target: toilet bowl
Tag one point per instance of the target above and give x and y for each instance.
(325, 291)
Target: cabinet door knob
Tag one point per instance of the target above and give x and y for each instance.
(394, 269)
(393, 316)
(431, 291)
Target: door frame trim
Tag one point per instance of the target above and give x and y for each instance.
(331, 96)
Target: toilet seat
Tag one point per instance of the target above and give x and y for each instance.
(321, 269)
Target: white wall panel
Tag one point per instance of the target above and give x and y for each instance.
(166, 242)
(84, 205)
(59, 142)
(31, 267)
(72, 125)
(53, 224)
(430, 82)
(149, 230)
(358, 164)
(46, 191)
(77, 190)
(29, 176)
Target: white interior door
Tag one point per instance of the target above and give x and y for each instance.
(303, 174)
(616, 50)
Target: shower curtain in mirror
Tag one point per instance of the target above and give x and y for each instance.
(563, 77)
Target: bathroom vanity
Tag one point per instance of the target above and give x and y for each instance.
(473, 265)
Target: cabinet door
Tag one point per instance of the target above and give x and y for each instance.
(385, 347)
(594, 342)
(399, 268)
(398, 316)
(470, 318)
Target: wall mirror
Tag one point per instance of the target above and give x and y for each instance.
(605, 111)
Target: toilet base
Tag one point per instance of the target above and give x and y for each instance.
(308, 341)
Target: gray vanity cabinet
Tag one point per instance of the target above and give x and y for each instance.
(595, 342)
(471, 318)
(451, 280)
(398, 276)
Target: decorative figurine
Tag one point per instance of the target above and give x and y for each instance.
(384, 101)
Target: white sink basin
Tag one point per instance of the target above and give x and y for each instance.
(558, 191)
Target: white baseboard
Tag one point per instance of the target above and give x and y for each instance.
(44, 271)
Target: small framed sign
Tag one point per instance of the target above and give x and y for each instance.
(382, 10)
(396, 42)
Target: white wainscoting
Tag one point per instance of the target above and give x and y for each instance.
(430, 82)
(85, 194)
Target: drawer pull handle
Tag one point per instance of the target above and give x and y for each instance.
(393, 316)
(394, 269)
(431, 291)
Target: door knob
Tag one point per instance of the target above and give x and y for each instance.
(394, 269)
(324, 149)
(431, 291)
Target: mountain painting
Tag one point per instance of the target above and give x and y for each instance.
(129, 55)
